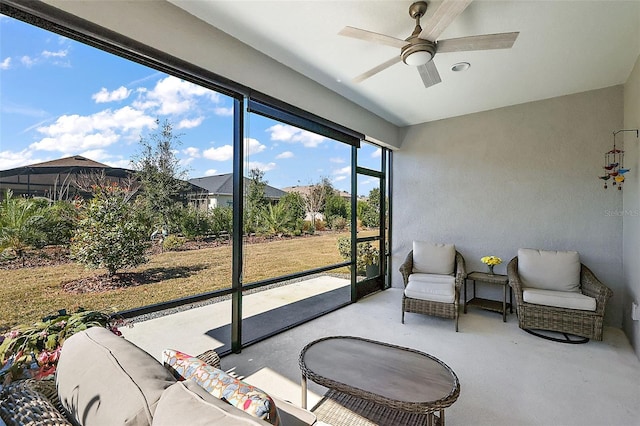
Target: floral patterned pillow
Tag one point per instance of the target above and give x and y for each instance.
(221, 385)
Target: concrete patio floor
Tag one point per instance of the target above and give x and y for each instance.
(507, 376)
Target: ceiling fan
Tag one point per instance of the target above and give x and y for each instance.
(421, 46)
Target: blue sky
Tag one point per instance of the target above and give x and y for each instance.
(60, 98)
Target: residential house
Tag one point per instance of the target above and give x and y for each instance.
(219, 191)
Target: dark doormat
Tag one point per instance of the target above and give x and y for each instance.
(282, 318)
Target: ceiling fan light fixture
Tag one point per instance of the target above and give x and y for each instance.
(418, 54)
(418, 58)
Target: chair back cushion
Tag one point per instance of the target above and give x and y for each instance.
(433, 258)
(549, 270)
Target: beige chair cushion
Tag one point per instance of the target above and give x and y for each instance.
(549, 270)
(435, 288)
(103, 379)
(186, 403)
(433, 258)
(559, 299)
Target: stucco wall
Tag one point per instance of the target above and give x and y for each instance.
(631, 207)
(521, 176)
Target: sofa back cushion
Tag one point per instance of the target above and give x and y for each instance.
(186, 403)
(433, 258)
(549, 270)
(103, 379)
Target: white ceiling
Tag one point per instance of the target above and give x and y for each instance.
(564, 47)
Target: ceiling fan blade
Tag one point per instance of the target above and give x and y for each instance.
(481, 42)
(371, 36)
(444, 15)
(377, 69)
(429, 73)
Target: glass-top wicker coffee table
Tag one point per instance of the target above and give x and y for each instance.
(378, 383)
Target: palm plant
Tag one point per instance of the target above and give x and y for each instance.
(276, 219)
(18, 220)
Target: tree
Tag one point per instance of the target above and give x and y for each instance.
(18, 223)
(370, 214)
(293, 202)
(161, 175)
(109, 234)
(256, 199)
(314, 201)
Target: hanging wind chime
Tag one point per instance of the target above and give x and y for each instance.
(614, 163)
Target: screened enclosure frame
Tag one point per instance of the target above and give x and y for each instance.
(244, 99)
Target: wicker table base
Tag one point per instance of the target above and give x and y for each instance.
(340, 409)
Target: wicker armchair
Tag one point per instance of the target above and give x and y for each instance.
(582, 323)
(428, 307)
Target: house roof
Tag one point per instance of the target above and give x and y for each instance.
(223, 185)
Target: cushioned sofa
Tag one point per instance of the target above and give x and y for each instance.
(103, 379)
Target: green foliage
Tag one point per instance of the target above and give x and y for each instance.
(339, 223)
(369, 211)
(108, 235)
(194, 223)
(61, 220)
(161, 176)
(173, 243)
(33, 350)
(277, 220)
(256, 201)
(221, 220)
(293, 202)
(335, 207)
(19, 218)
(367, 253)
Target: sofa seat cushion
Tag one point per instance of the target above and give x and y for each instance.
(433, 258)
(559, 299)
(435, 288)
(549, 270)
(103, 379)
(221, 385)
(186, 403)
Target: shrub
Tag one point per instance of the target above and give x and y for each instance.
(19, 219)
(194, 223)
(108, 235)
(222, 220)
(320, 225)
(173, 243)
(339, 223)
(367, 254)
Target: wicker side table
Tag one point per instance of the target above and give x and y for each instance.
(490, 305)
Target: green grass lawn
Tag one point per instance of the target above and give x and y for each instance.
(26, 295)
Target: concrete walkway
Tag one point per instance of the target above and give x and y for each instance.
(190, 331)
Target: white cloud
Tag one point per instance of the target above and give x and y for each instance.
(339, 178)
(224, 112)
(285, 133)
(5, 64)
(27, 61)
(210, 172)
(337, 160)
(192, 152)
(253, 146)
(104, 95)
(105, 157)
(223, 153)
(73, 133)
(286, 154)
(265, 167)
(10, 160)
(190, 123)
(172, 95)
(377, 153)
(58, 54)
(342, 171)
